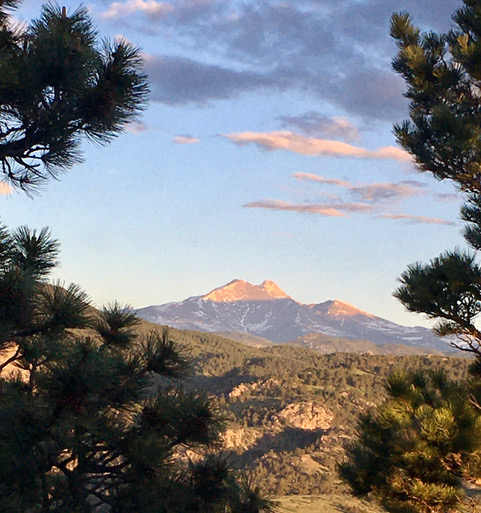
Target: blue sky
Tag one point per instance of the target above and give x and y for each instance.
(266, 152)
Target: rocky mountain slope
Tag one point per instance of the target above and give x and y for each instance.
(266, 311)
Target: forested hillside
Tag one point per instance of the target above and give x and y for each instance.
(290, 410)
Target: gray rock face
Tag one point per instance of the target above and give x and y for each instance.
(267, 311)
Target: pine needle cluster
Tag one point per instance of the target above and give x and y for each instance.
(442, 75)
(414, 452)
(59, 82)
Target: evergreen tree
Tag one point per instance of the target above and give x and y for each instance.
(57, 83)
(443, 75)
(442, 72)
(93, 417)
(410, 469)
(414, 450)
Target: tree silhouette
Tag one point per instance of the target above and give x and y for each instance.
(409, 452)
(57, 83)
(93, 417)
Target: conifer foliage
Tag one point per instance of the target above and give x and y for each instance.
(92, 416)
(57, 83)
(443, 75)
(442, 72)
(414, 451)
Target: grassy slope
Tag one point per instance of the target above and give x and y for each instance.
(245, 338)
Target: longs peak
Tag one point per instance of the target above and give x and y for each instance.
(240, 290)
(265, 310)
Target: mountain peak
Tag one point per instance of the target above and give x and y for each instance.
(340, 309)
(240, 290)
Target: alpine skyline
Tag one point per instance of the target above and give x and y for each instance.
(266, 152)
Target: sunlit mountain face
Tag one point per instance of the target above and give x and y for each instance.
(240, 290)
(266, 311)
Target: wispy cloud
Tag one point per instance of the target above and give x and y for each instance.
(371, 192)
(373, 200)
(311, 177)
(416, 183)
(295, 143)
(136, 128)
(185, 139)
(385, 191)
(340, 209)
(316, 124)
(325, 209)
(150, 8)
(5, 189)
(444, 197)
(417, 219)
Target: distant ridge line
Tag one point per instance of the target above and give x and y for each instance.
(240, 290)
(266, 311)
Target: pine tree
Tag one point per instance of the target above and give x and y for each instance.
(57, 83)
(442, 73)
(414, 450)
(410, 452)
(93, 417)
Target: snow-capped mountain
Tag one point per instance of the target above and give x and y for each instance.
(239, 290)
(266, 311)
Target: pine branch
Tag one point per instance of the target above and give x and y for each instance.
(16, 356)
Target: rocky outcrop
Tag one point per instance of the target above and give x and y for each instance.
(240, 439)
(257, 387)
(305, 415)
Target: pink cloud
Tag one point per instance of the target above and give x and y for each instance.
(185, 139)
(325, 209)
(279, 140)
(5, 189)
(329, 196)
(150, 8)
(417, 219)
(311, 177)
(373, 191)
(136, 128)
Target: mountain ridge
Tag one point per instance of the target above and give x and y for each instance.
(240, 290)
(266, 311)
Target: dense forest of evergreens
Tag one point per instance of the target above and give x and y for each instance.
(284, 458)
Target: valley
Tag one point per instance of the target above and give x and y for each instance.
(289, 410)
